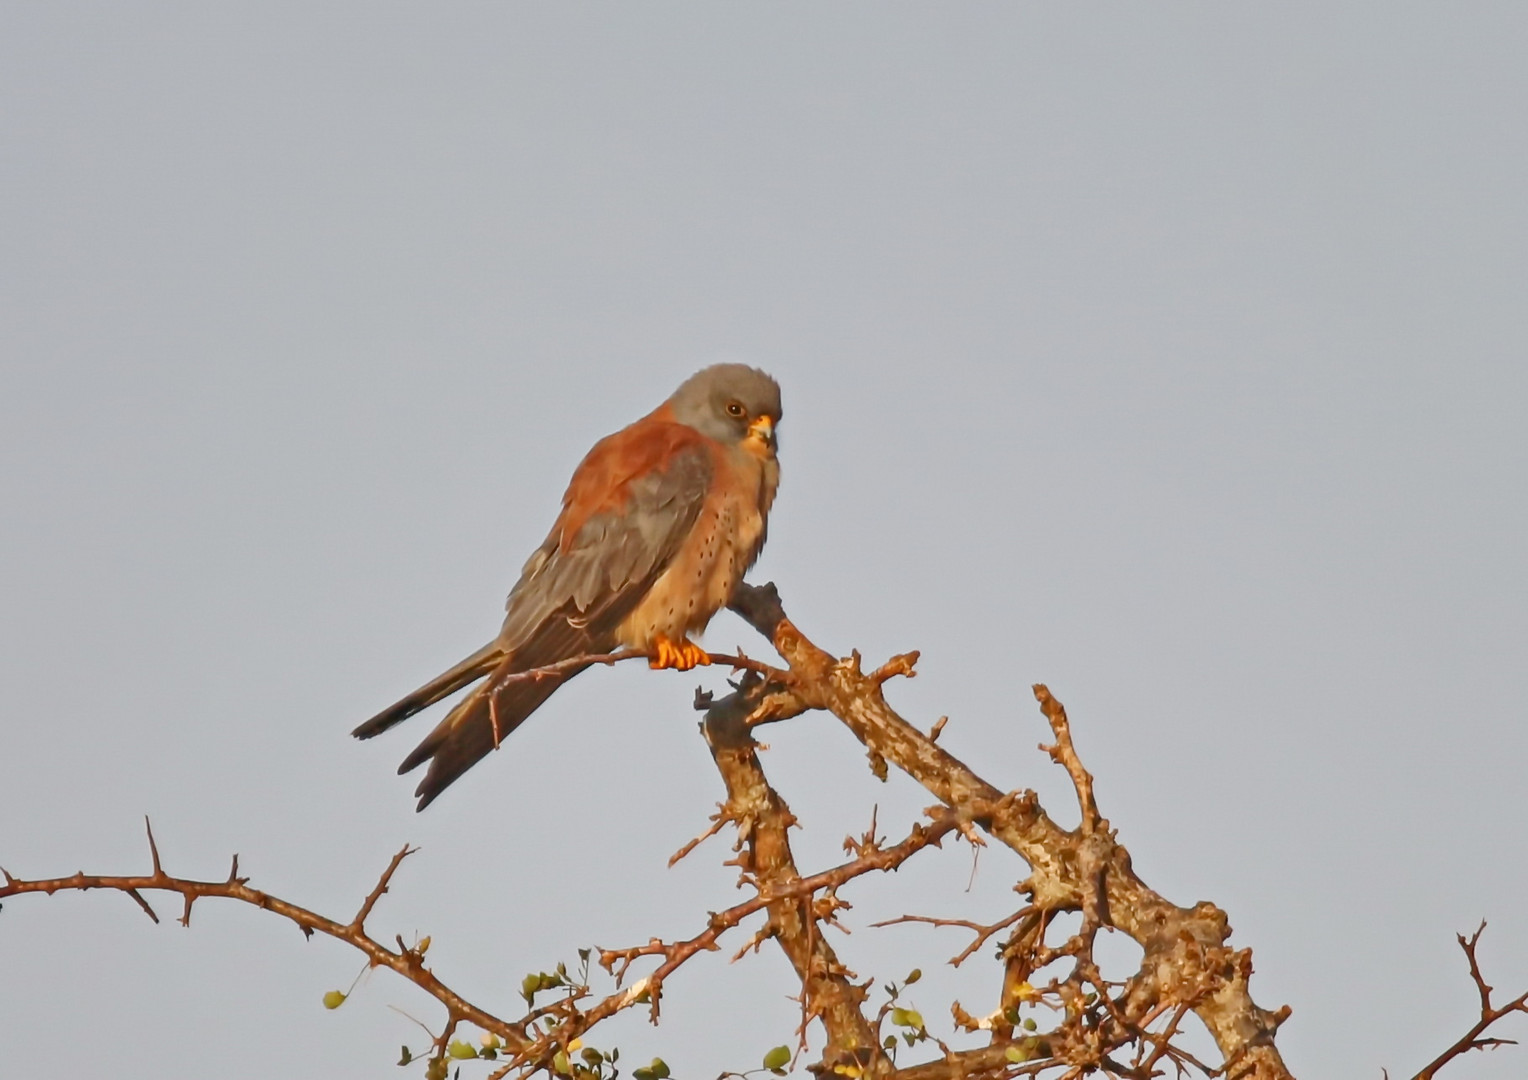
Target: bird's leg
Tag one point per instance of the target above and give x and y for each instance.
(683, 656)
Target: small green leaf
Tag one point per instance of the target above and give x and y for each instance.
(461, 1050)
(908, 1018)
(642, 1072)
(1029, 1023)
(890, 1042)
(660, 1068)
(528, 987)
(913, 976)
(1016, 1054)
(778, 1058)
(591, 1056)
(436, 1069)
(405, 1057)
(560, 1063)
(334, 999)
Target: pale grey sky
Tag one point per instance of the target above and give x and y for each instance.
(1172, 355)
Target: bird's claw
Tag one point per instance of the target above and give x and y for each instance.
(681, 657)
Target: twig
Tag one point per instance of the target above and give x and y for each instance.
(717, 822)
(982, 931)
(359, 922)
(1489, 1015)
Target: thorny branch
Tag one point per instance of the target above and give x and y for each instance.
(1084, 870)
(1186, 967)
(406, 960)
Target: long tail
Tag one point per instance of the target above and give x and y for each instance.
(469, 670)
(479, 722)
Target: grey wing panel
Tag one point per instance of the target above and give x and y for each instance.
(614, 557)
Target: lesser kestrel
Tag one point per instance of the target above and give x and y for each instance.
(658, 526)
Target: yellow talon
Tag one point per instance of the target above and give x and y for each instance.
(681, 657)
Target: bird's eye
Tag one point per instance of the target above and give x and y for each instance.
(735, 408)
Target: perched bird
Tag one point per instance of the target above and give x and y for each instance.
(658, 525)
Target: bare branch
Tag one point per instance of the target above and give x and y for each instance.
(1475, 1038)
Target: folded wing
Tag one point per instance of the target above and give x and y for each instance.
(629, 509)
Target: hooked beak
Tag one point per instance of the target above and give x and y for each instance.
(763, 429)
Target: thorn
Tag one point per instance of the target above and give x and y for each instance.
(144, 904)
(153, 847)
(934, 732)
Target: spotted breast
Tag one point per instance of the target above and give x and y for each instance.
(726, 540)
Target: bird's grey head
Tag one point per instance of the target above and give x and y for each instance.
(731, 403)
